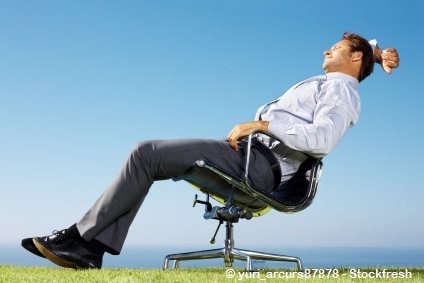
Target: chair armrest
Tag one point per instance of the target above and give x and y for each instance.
(249, 149)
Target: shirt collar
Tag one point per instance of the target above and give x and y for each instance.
(342, 76)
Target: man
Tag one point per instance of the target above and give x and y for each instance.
(311, 118)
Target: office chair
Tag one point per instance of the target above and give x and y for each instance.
(242, 200)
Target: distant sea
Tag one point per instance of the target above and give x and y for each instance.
(147, 257)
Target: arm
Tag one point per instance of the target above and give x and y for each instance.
(337, 109)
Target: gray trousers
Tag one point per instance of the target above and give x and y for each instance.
(109, 219)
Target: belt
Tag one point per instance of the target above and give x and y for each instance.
(270, 157)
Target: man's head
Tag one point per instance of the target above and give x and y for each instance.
(352, 55)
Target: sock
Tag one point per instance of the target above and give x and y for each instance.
(93, 245)
(96, 247)
(73, 232)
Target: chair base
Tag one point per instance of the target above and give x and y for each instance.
(229, 256)
(229, 253)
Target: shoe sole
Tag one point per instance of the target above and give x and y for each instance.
(54, 258)
(28, 244)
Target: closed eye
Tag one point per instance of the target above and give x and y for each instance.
(334, 47)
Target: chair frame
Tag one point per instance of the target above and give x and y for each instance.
(229, 252)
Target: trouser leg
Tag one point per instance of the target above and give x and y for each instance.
(109, 219)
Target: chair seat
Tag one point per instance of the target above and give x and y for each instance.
(291, 196)
(220, 188)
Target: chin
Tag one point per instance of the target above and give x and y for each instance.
(325, 64)
(325, 68)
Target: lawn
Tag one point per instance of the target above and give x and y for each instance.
(49, 274)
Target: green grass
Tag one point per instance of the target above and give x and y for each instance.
(49, 274)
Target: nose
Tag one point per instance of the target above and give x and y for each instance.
(327, 52)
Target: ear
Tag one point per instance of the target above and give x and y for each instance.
(357, 56)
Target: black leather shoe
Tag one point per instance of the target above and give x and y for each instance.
(28, 244)
(66, 251)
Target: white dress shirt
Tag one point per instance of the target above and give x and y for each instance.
(311, 117)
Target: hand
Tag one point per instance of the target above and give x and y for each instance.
(388, 58)
(245, 129)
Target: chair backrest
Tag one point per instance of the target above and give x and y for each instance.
(299, 191)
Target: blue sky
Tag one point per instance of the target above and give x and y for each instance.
(82, 81)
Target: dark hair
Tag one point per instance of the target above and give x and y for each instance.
(361, 44)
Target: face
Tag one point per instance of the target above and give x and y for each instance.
(338, 58)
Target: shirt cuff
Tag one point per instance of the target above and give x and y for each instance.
(373, 43)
